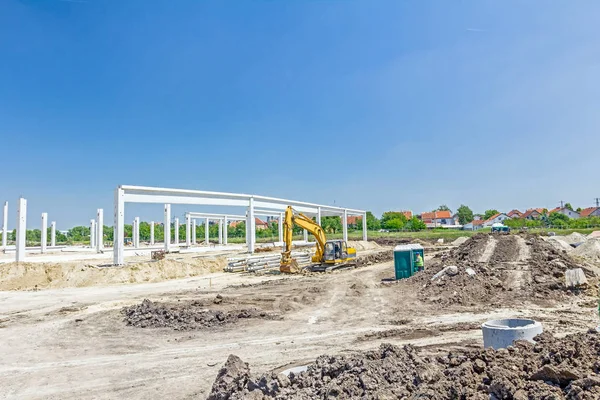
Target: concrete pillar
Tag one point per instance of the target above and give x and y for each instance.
(152, 233)
(345, 224)
(21, 229)
(119, 228)
(5, 224)
(319, 216)
(188, 230)
(176, 235)
(92, 233)
(206, 231)
(225, 229)
(44, 233)
(100, 230)
(252, 227)
(167, 226)
(136, 230)
(53, 233)
(364, 224)
(280, 227)
(220, 231)
(305, 235)
(194, 231)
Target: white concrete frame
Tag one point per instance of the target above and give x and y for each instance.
(92, 233)
(53, 234)
(21, 229)
(4, 224)
(167, 196)
(176, 232)
(99, 230)
(136, 232)
(44, 233)
(151, 233)
(223, 219)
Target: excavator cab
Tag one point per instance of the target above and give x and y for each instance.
(337, 251)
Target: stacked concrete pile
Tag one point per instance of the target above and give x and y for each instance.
(263, 262)
(549, 369)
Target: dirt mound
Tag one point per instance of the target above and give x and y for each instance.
(549, 369)
(24, 276)
(559, 243)
(375, 258)
(574, 237)
(362, 245)
(460, 241)
(185, 316)
(505, 278)
(590, 250)
(392, 241)
(595, 234)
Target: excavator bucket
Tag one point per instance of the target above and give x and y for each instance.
(290, 267)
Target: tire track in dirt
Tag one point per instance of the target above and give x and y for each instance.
(490, 247)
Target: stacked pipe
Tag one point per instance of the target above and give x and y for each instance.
(262, 262)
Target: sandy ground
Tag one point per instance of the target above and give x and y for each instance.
(72, 343)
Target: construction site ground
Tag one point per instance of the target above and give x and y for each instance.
(75, 343)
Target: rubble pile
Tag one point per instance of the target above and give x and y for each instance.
(374, 258)
(185, 316)
(507, 276)
(549, 369)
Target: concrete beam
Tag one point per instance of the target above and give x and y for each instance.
(176, 233)
(194, 237)
(119, 227)
(100, 230)
(92, 233)
(5, 224)
(44, 233)
(188, 231)
(167, 227)
(225, 229)
(53, 234)
(136, 234)
(345, 225)
(152, 233)
(319, 216)
(251, 227)
(21, 229)
(206, 231)
(364, 226)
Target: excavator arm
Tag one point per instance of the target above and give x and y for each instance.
(288, 264)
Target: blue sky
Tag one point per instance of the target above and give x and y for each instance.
(369, 104)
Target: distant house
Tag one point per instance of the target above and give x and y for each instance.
(474, 225)
(590, 212)
(260, 224)
(515, 214)
(565, 211)
(533, 213)
(496, 219)
(408, 214)
(437, 218)
(477, 217)
(353, 220)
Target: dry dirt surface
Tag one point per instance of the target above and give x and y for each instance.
(186, 315)
(549, 369)
(75, 343)
(505, 269)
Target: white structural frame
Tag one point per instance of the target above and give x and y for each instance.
(99, 230)
(155, 195)
(4, 224)
(176, 232)
(53, 234)
(151, 233)
(92, 233)
(190, 217)
(21, 229)
(44, 233)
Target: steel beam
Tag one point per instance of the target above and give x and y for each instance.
(21, 229)
(44, 233)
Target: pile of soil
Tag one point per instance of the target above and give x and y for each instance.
(590, 250)
(505, 278)
(549, 369)
(375, 258)
(391, 241)
(185, 316)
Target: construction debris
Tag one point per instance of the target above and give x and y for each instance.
(575, 279)
(549, 369)
(184, 316)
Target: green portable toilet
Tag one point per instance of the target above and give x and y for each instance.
(404, 259)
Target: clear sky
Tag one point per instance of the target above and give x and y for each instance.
(369, 104)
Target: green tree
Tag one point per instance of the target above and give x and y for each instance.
(579, 209)
(465, 214)
(415, 224)
(444, 207)
(373, 223)
(569, 206)
(489, 213)
(331, 224)
(558, 219)
(389, 216)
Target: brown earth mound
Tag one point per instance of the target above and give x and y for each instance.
(185, 315)
(375, 258)
(550, 369)
(502, 269)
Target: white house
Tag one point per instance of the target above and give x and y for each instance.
(474, 225)
(496, 219)
(565, 211)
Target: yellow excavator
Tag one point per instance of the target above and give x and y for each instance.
(330, 254)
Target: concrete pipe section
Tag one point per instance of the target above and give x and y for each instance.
(501, 333)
